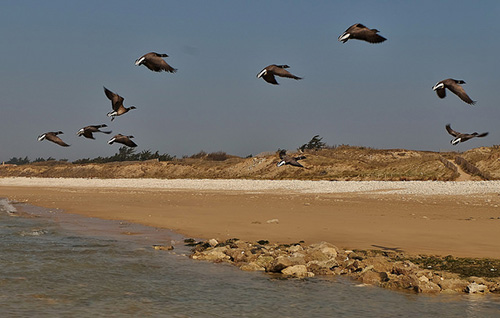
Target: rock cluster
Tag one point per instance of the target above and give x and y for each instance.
(372, 268)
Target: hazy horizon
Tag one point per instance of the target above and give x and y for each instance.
(58, 55)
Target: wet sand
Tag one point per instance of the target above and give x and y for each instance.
(463, 224)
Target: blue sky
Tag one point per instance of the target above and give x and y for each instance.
(57, 55)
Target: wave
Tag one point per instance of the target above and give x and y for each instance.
(6, 206)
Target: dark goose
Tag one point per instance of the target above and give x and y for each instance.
(116, 104)
(289, 160)
(455, 87)
(461, 137)
(52, 136)
(360, 32)
(88, 131)
(155, 62)
(126, 140)
(270, 71)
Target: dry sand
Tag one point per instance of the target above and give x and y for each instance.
(442, 218)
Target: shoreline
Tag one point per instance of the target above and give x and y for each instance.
(453, 188)
(352, 215)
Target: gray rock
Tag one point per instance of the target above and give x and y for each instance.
(475, 288)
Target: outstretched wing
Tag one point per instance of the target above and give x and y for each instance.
(460, 92)
(116, 100)
(284, 73)
(451, 131)
(269, 77)
(56, 140)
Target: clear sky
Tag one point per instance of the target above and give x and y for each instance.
(56, 56)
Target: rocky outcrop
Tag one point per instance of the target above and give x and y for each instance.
(374, 268)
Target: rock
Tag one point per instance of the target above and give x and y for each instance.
(401, 281)
(215, 255)
(317, 269)
(238, 255)
(299, 271)
(404, 268)
(213, 242)
(322, 267)
(423, 279)
(163, 247)
(373, 278)
(427, 287)
(273, 221)
(295, 248)
(380, 264)
(321, 252)
(282, 262)
(252, 267)
(264, 261)
(475, 288)
(367, 268)
(453, 285)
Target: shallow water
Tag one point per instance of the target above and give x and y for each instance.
(54, 264)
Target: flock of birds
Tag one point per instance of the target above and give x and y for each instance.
(155, 62)
(152, 61)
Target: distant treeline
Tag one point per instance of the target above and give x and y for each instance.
(129, 154)
(23, 161)
(123, 154)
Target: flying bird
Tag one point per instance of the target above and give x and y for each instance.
(126, 140)
(360, 32)
(279, 70)
(155, 63)
(288, 160)
(116, 104)
(88, 131)
(460, 137)
(455, 87)
(52, 136)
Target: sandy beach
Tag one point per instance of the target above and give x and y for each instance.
(420, 217)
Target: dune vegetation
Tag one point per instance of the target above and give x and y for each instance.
(329, 163)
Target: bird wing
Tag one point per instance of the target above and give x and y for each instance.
(56, 139)
(372, 37)
(284, 73)
(282, 154)
(367, 35)
(451, 131)
(361, 32)
(158, 54)
(460, 92)
(87, 133)
(441, 92)
(269, 77)
(295, 163)
(157, 64)
(129, 142)
(355, 27)
(116, 100)
(483, 134)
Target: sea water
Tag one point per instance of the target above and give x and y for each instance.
(54, 264)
